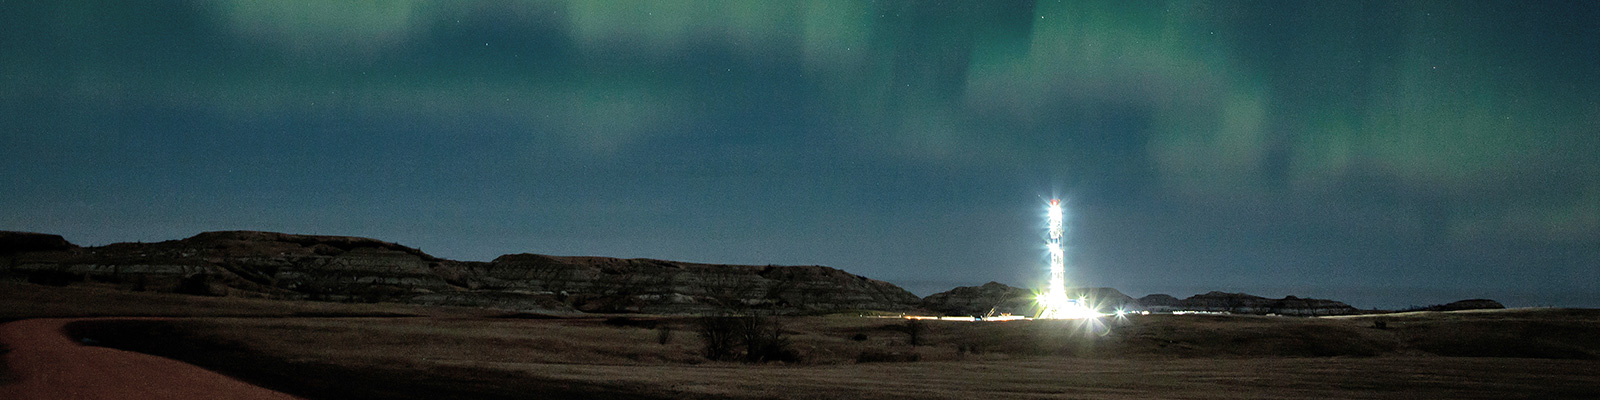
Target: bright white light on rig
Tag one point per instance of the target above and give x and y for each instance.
(1055, 302)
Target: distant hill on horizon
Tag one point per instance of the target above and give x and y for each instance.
(357, 269)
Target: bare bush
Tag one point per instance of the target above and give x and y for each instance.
(750, 338)
(717, 335)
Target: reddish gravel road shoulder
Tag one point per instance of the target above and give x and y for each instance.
(45, 364)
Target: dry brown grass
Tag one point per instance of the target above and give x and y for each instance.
(1043, 377)
(24, 300)
(453, 353)
(452, 340)
(1155, 356)
(1529, 332)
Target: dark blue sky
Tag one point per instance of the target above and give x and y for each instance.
(1381, 153)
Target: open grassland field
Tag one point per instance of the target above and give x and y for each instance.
(337, 351)
(23, 300)
(1154, 356)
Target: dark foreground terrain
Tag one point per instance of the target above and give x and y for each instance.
(327, 351)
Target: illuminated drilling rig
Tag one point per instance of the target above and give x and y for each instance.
(1055, 303)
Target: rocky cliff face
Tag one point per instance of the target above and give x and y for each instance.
(998, 298)
(1240, 303)
(342, 268)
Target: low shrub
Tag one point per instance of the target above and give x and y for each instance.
(630, 322)
(870, 356)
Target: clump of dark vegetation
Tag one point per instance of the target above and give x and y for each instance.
(375, 294)
(346, 314)
(859, 337)
(965, 348)
(748, 338)
(197, 284)
(870, 356)
(52, 278)
(915, 331)
(664, 334)
(526, 315)
(139, 283)
(630, 322)
(717, 336)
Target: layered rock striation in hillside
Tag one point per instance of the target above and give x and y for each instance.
(340, 268)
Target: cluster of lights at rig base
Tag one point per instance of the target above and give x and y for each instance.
(1054, 301)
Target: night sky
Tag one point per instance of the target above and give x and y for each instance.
(1384, 153)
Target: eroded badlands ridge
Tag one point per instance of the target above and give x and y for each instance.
(341, 268)
(344, 268)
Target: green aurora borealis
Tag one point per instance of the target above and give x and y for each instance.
(1440, 150)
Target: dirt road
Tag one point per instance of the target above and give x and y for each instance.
(46, 364)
